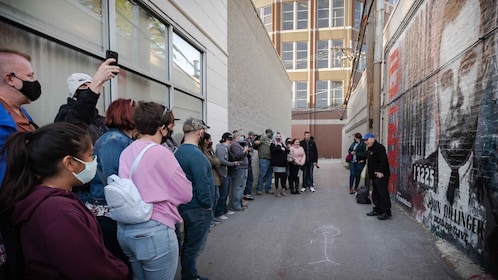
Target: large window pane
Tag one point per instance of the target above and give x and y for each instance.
(187, 66)
(302, 55)
(142, 40)
(187, 106)
(322, 54)
(323, 13)
(301, 95)
(287, 16)
(287, 55)
(131, 85)
(337, 92)
(82, 27)
(337, 54)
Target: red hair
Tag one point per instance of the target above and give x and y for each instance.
(120, 114)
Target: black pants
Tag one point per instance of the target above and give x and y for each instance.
(282, 177)
(380, 195)
(293, 179)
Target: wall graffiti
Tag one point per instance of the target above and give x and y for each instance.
(442, 122)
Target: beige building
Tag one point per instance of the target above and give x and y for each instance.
(317, 42)
(178, 53)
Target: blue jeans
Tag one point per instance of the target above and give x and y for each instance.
(196, 223)
(238, 183)
(265, 173)
(152, 249)
(249, 181)
(221, 206)
(355, 169)
(308, 174)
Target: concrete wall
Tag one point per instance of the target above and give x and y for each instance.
(440, 99)
(259, 89)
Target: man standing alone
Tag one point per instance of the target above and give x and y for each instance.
(311, 152)
(378, 172)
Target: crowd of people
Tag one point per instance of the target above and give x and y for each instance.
(52, 199)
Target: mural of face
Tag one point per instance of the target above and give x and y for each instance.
(458, 101)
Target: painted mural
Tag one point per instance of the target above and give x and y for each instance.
(442, 106)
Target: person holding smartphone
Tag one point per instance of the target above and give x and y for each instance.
(84, 92)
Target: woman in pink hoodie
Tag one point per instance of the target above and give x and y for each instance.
(299, 157)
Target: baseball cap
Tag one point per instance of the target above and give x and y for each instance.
(368, 135)
(75, 81)
(192, 124)
(227, 135)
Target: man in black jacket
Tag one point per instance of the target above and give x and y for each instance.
(378, 172)
(84, 92)
(311, 152)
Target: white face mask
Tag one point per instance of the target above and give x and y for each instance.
(87, 174)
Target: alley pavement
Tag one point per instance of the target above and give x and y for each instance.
(320, 235)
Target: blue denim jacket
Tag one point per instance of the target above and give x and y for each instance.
(108, 148)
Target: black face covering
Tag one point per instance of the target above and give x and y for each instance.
(31, 90)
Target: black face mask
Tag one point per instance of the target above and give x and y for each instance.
(31, 90)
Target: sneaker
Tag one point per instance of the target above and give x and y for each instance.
(270, 192)
(216, 220)
(223, 217)
(202, 278)
(303, 189)
(312, 189)
(248, 197)
(245, 204)
(230, 212)
(259, 192)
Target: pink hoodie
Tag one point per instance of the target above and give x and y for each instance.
(298, 154)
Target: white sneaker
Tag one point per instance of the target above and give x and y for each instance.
(303, 189)
(230, 212)
(312, 189)
(223, 217)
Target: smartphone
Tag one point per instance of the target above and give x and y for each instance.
(112, 54)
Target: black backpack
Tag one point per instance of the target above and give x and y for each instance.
(362, 195)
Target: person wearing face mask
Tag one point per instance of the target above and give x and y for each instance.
(17, 87)
(278, 161)
(265, 170)
(60, 238)
(238, 175)
(198, 213)
(206, 146)
(168, 140)
(161, 181)
(84, 92)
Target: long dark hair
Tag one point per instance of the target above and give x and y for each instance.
(32, 156)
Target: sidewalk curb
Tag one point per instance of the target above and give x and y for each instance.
(463, 266)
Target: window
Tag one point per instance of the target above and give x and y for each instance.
(362, 64)
(295, 55)
(294, 15)
(330, 13)
(358, 9)
(186, 65)
(300, 98)
(328, 94)
(265, 16)
(141, 39)
(329, 54)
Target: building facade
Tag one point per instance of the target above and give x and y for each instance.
(317, 41)
(172, 52)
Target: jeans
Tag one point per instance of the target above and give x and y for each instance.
(238, 183)
(249, 181)
(196, 223)
(355, 169)
(308, 174)
(221, 206)
(216, 196)
(265, 172)
(152, 249)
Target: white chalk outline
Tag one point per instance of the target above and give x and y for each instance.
(326, 231)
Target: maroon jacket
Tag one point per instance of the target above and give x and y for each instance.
(60, 238)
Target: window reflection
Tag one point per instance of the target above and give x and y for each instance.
(142, 40)
(187, 65)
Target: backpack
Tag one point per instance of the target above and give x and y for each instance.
(125, 203)
(362, 195)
